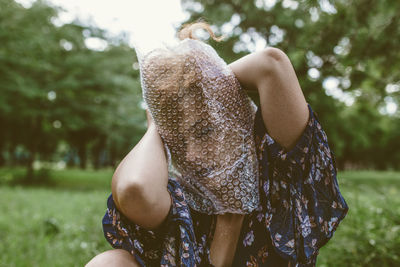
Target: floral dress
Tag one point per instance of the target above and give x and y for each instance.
(300, 208)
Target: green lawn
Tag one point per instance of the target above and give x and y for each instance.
(370, 233)
(56, 226)
(60, 225)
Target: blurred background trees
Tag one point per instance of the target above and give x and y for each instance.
(62, 100)
(70, 96)
(345, 56)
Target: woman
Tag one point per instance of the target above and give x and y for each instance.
(151, 220)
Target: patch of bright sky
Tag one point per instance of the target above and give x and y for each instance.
(392, 88)
(391, 105)
(313, 60)
(250, 41)
(390, 108)
(327, 7)
(331, 86)
(265, 4)
(343, 47)
(229, 27)
(313, 74)
(148, 22)
(290, 4)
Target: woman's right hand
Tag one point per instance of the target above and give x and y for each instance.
(150, 120)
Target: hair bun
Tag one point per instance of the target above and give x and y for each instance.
(188, 28)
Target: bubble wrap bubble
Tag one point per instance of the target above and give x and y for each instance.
(206, 121)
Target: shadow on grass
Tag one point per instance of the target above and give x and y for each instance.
(39, 178)
(68, 179)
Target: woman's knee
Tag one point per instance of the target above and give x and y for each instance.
(115, 257)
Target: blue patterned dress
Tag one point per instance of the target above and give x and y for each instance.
(300, 208)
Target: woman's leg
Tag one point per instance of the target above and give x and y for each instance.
(113, 258)
(139, 184)
(225, 239)
(283, 106)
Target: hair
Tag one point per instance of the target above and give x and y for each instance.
(167, 70)
(187, 30)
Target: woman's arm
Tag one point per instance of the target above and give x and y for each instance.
(283, 106)
(139, 184)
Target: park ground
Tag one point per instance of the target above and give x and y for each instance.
(59, 223)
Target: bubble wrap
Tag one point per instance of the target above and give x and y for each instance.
(206, 121)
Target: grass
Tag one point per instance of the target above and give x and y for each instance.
(44, 227)
(60, 224)
(370, 233)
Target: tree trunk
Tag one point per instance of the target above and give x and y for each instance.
(2, 159)
(29, 166)
(112, 156)
(82, 156)
(97, 150)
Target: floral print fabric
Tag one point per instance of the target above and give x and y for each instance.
(300, 209)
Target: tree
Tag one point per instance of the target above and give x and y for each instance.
(56, 90)
(352, 44)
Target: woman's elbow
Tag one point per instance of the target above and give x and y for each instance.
(124, 187)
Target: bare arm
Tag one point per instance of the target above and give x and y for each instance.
(139, 184)
(283, 106)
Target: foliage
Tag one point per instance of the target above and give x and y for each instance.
(61, 100)
(56, 91)
(370, 234)
(51, 227)
(350, 43)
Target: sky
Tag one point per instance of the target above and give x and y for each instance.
(138, 18)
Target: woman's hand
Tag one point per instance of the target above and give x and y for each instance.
(150, 121)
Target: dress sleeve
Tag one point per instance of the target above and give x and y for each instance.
(171, 244)
(300, 194)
